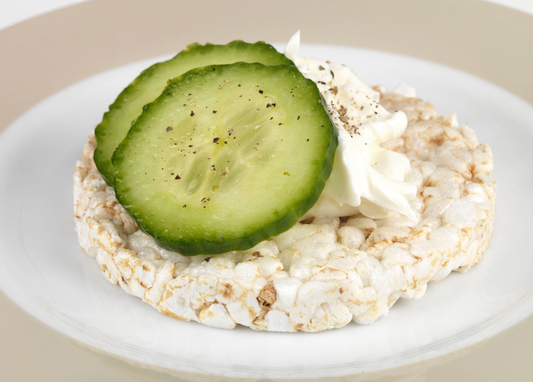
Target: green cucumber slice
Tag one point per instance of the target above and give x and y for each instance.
(226, 157)
(151, 82)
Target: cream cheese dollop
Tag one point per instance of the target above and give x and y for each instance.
(366, 178)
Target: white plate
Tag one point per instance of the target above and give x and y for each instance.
(43, 269)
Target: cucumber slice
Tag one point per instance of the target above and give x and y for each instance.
(226, 157)
(151, 82)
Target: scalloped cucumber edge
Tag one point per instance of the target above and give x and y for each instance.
(203, 247)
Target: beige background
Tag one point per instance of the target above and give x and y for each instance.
(43, 55)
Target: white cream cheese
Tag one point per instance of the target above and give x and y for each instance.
(365, 178)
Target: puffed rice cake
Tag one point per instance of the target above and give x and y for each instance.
(321, 274)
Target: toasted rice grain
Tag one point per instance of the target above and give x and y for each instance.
(315, 276)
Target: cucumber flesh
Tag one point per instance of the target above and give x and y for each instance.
(226, 157)
(151, 82)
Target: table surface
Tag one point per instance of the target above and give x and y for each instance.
(32, 351)
(16, 11)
